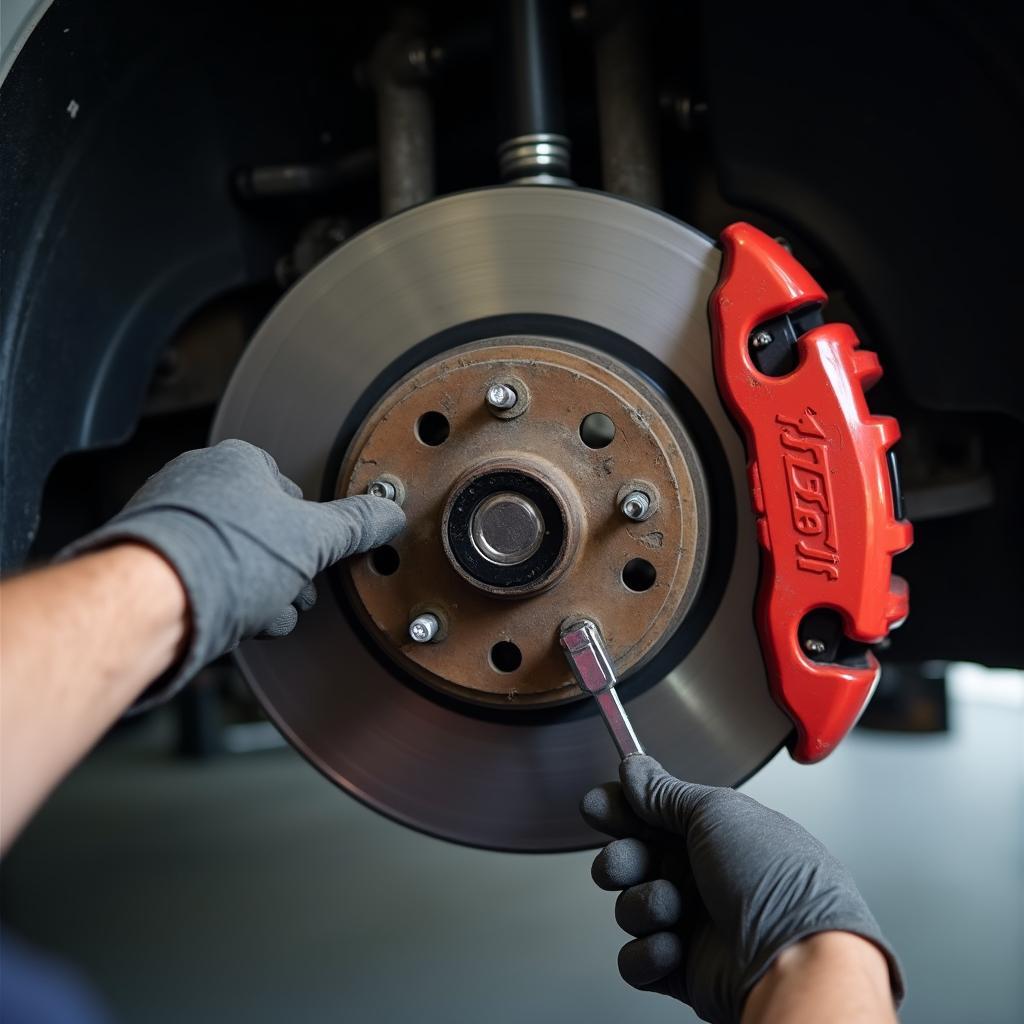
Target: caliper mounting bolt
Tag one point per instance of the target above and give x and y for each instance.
(501, 396)
(813, 646)
(424, 628)
(636, 506)
(762, 339)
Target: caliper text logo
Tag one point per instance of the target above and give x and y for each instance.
(805, 457)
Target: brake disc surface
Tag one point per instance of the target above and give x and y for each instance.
(588, 269)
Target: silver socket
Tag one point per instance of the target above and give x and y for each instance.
(636, 506)
(424, 628)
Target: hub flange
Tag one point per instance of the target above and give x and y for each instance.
(515, 523)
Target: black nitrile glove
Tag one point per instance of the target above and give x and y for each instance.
(715, 887)
(244, 543)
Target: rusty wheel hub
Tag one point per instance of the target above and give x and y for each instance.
(515, 458)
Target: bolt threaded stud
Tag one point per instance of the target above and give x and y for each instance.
(501, 396)
(382, 489)
(636, 506)
(424, 628)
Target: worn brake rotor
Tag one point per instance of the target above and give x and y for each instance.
(589, 304)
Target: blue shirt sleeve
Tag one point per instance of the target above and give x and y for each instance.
(38, 989)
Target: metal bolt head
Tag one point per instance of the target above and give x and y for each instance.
(424, 628)
(814, 646)
(501, 396)
(636, 506)
(762, 339)
(382, 489)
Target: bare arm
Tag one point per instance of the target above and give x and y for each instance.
(834, 976)
(78, 643)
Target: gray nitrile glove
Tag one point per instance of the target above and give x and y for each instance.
(715, 887)
(243, 541)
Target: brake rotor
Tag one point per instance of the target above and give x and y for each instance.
(590, 304)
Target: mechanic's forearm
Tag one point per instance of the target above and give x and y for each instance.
(833, 976)
(78, 643)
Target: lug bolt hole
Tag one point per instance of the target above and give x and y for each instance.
(506, 656)
(639, 575)
(597, 430)
(433, 428)
(384, 560)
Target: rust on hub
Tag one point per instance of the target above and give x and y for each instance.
(514, 523)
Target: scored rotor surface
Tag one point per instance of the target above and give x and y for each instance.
(504, 782)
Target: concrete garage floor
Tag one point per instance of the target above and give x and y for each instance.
(247, 888)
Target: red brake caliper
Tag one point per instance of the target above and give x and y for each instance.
(827, 518)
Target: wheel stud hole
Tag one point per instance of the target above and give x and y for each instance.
(433, 428)
(597, 430)
(506, 656)
(639, 575)
(384, 560)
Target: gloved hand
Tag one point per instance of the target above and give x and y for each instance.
(242, 540)
(715, 886)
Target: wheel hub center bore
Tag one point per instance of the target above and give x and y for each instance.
(519, 462)
(506, 528)
(511, 527)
